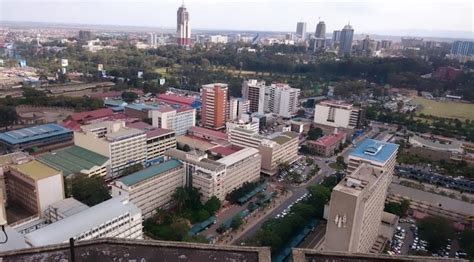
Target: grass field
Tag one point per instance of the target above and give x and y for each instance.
(448, 109)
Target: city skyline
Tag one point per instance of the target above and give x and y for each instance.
(419, 18)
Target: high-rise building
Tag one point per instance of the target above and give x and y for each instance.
(237, 107)
(152, 39)
(465, 48)
(179, 120)
(214, 105)
(386, 44)
(183, 30)
(254, 91)
(345, 43)
(301, 30)
(320, 36)
(281, 99)
(338, 114)
(336, 36)
(85, 35)
(357, 202)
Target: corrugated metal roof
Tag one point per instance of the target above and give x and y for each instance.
(150, 172)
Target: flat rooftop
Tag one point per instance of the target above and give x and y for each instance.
(28, 134)
(284, 137)
(328, 140)
(69, 206)
(208, 132)
(60, 231)
(36, 170)
(151, 131)
(150, 172)
(374, 150)
(73, 160)
(360, 180)
(142, 107)
(192, 157)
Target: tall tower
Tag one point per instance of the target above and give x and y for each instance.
(345, 45)
(183, 31)
(214, 105)
(320, 35)
(301, 30)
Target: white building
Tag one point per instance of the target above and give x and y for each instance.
(241, 166)
(252, 125)
(219, 39)
(151, 188)
(281, 99)
(254, 91)
(180, 120)
(338, 114)
(116, 218)
(124, 146)
(238, 107)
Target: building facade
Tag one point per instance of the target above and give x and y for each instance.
(327, 145)
(214, 108)
(301, 30)
(281, 99)
(158, 140)
(345, 42)
(48, 136)
(338, 114)
(183, 30)
(254, 91)
(180, 120)
(238, 107)
(151, 188)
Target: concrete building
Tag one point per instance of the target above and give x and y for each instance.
(151, 188)
(280, 147)
(158, 140)
(254, 91)
(33, 186)
(238, 107)
(179, 120)
(464, 48)
(320, 36)
(281, 99)
(338, 114)
(218, 39)
(252, 125)
(213, 136)
(124, 146)
(140, 111)
(62, 209)
(183, 30)
(327, 145)
(116, 218)
(217, 177)
(301, 30)
(214, 105)
(345, 42)
(357, 202)
(37, 138)
(77, 160)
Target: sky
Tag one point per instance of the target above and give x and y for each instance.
(369, 16)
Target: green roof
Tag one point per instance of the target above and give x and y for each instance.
(72, 160)
(150, 172)
(284, 137)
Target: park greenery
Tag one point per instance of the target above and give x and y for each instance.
(276, 233)
(175, 223)
(436, 231)
(88, 190)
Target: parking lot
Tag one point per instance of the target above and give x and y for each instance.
(287, 210)
(296, 173)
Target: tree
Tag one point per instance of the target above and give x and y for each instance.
(129, 96)
(404, 206)
(435, 230)
(314, 133)
(466, 241)
(8, 116)
(89, 190)
(179, 230)
(393, 208)
(132, 169)
(319, 196)
(212, 205)
(186, 148)
(300, 113)
(180, 196)
(236, 222)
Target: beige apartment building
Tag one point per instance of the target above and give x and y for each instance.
(280, 147)
(151, 188)
(124, 146)
(357, 202)
(218, 177)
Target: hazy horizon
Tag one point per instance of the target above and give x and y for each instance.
(420, 17)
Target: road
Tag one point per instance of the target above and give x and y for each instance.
(314, 237)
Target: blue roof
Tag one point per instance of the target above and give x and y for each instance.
(33, 133)
(142, 107)
(149, 172)
(374, 150)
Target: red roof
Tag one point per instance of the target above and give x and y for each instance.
(175, 99)
(225, 151)
(328, 140)
(208, 132)
(90, 115)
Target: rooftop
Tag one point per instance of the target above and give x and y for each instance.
(36, 170)
(360, 180)
(69, 206)
(94, 114)
(374, 150)
(328, 140)
(150, 172)
(60, 231)
(33, 133)
(176, 99)
(208, 132)
(336, 103)
(238, 156)
(142, 107)
(282, 138)
(73, 160)
(225, 150)
(150, 130)
(221, 85)
(194, 158)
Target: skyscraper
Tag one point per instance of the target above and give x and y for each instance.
(254, 91)
(214, 105)
(301, 30)
(463, 48)
(336, 36)
(345, 45)
(320, 35)
(357, 202)
(183, 31)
